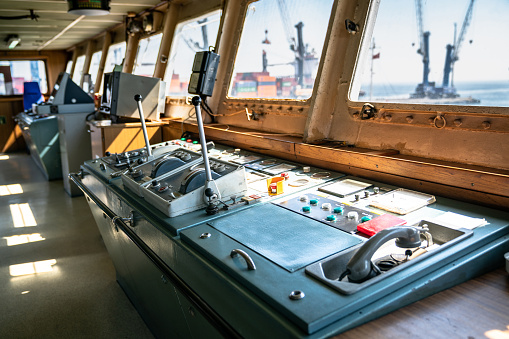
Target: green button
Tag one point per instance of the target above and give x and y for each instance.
(338, 210)
(331, 217)
(195, 142)
(306, 209)
(313, 201)
(365, 218)
(183, 139)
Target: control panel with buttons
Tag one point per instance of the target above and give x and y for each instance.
(332, 212)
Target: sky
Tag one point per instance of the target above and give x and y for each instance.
(483, 55)
(265, 15)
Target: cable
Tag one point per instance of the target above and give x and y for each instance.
(87, 118)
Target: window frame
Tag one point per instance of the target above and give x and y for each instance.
(44, 59)
(138, 50)
(455, 116)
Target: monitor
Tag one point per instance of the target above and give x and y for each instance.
(118, 96)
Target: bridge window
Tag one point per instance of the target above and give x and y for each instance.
(78, 70)
(116, 55)
(435, 52)
(94, 65)
(190, 37)
(68, 67)
(13, 73)
(146, 57)
(280, 49)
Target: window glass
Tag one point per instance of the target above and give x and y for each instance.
(438, 52)
(68, 67)
(78, 70)
(13, 73)
(94, 65)
(190, 37)
(146, 57)
(280, 49)
(116, 54)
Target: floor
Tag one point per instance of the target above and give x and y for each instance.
(56, 276)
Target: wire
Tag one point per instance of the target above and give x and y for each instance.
(87, 118)
(189, 115)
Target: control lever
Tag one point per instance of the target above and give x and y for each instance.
(211, 207)
(360, 268)
(211, 192)
(137, 97)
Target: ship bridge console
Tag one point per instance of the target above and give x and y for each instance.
(315, 254)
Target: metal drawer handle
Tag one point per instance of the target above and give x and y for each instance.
(250, 263)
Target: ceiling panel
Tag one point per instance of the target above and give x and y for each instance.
(53, 19)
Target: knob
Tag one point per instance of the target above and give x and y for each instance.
(313, 202)
(107, 154)
(306, 209)
(365, 218)
(209, 192)
(338, 210)
(186, 157)
(353, 215)
(220, 168)
(331, 217)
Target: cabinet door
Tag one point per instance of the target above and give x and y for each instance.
(199, 327)
(156, 299)
(112, 242)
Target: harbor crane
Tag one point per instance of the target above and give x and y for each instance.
(452, 54)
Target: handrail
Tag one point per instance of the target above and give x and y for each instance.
(215, 319)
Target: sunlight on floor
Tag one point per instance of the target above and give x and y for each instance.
(4, 157)
(32, 267)
(10, 189)
(497, 334)
(22, 215)
(23, 239)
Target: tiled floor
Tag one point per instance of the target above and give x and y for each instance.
(56, 278)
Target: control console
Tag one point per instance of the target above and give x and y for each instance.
(182, 190)
(136, 177)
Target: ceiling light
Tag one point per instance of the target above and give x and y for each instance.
(89, 7)
(12, 41)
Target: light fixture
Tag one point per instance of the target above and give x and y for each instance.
(12, 41)
(89, 7)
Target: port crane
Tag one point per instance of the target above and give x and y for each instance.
(296, 44)
(424, 89)
(427, 89)
(452, 54)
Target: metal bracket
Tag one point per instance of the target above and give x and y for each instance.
(368, 111)
(128, 220)
(351, 26)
